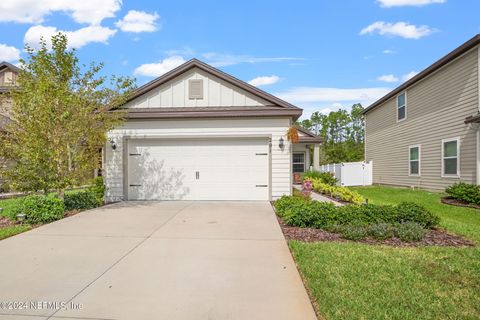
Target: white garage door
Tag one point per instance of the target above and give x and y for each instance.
(198, 169)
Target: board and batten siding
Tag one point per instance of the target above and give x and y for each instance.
(436, 109)
(217, 93)
(274, 127)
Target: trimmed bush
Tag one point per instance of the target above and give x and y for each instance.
(354, 232)
(381, 231)
(465, 192)
(40, 209)
(325, 177)
(81, 200)
(300, 212)
(412, 212)
(410, 231)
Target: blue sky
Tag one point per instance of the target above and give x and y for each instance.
(319, 55)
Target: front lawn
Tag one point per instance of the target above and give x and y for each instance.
(460, 220)
(9, 231)
(360, 281)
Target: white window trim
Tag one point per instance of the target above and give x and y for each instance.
(304, 160)
(396, 106)
(443, 175)
(419, 160)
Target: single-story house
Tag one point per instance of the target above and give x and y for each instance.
(425, 133)
(197, 133)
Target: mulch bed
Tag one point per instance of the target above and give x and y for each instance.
(435, 237)
(5, 222)
(459, 203)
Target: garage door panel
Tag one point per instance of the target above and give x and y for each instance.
(213, 169)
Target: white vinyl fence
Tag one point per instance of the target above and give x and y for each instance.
(350, 173)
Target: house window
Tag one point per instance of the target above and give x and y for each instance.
(299, 162)
(451, 157)
(401, 106)
(414, 160)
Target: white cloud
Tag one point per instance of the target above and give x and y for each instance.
(263, 81)
(138, 21)
(400, 3)
(409, 75)
(389, 78)
(400, 29)
(223, 60)
(313, 99)
(76, 39)
(8, 53)
(388, 51)
(157, 69)
(34, 11)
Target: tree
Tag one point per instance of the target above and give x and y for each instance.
(342, 132)
(60, 116)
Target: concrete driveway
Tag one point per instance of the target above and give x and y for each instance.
(154, 260)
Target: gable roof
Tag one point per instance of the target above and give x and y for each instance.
(473, 42)
(6, 65)
(308, 136)
(277, 107)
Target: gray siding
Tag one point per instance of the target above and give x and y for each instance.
(436, 109)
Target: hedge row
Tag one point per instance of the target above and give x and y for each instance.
(300, 212)
(48, 208)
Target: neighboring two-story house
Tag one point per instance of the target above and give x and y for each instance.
(425, 133)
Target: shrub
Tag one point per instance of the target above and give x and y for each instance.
(381, 231)
(341, 193)
(98, 189)
(410, 231)
(465, 192)
(354, 231)
(40, 209)
(302, 212)
(325, 177)
(81, 200)
(412, 212)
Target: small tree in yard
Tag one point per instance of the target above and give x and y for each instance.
(60, 117)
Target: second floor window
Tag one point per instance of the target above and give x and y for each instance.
(401, 106)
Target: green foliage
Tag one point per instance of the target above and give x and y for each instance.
(356, 222)
(381, 231)
(341, 193)
(342, 133)
(410, 231)
(59, 119)
(412, 212)
(354, 231)
(324, 177)
(98, 189)
(40, 209)
(465, 192)
(81, 200)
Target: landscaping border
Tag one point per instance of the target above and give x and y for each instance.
(458, 203)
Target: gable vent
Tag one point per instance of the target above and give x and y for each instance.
(195, 89)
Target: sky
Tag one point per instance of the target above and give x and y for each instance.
(318, 55)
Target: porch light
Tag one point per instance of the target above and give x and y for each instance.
(281, 143)
(113, 144)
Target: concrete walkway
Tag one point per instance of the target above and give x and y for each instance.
(319, 197)
(154, 260)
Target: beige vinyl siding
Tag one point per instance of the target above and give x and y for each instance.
(216, 93)
(436, 109)
(275, 127)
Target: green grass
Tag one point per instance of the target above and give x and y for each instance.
(13, 230)
(459, 220)
(8, 205)
(359, 281)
